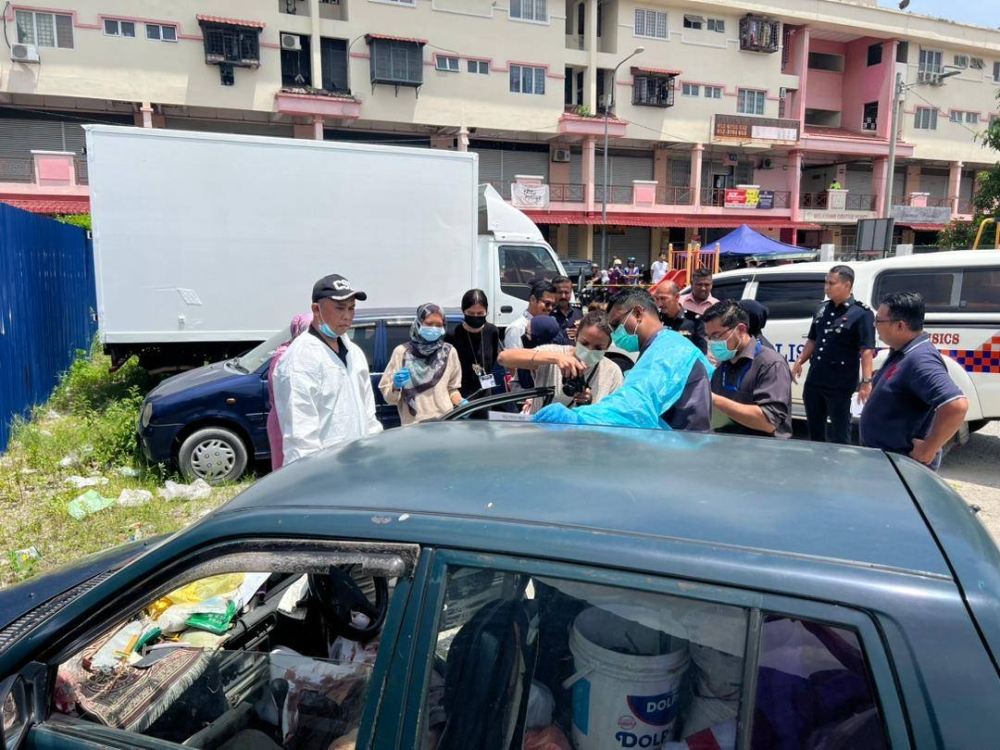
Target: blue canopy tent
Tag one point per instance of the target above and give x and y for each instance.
(751, 244)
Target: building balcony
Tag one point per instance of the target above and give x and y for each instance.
(853, 201)
(47, 182)
(717, 197)
(310, 102)
(580, 125)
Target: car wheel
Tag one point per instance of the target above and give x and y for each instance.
(214, 454)
(977, 424)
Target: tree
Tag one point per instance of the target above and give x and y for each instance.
(76, 220)
(986, 200)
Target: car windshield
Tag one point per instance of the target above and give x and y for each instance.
(257, 356)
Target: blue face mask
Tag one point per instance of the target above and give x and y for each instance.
(720, 349)
(624, 340)
(325, 329)
(430, 334)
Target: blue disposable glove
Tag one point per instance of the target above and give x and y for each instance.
(401, 378)
(463, 402)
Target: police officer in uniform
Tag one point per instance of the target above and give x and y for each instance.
(673, 315)
(842, 334)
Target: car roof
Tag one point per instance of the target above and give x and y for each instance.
(924, 260)
(838, 503)
(365, 315)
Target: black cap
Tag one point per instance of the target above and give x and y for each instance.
(336, 287)
(757, 314)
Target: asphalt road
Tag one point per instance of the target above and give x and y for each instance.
(974, 471)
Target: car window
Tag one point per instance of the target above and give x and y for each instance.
(398, 333)
(364, 337)
(814, 689)
(261, 353)
(522, 265)
(728, 289)
(792, 299)
(235, 660)
(548, 662)
(945, 290)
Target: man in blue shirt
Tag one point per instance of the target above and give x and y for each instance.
(914, 407)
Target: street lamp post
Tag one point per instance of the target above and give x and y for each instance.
(604, 194)
(894, 116)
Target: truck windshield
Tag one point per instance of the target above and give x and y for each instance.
(526, 264)
(253, 359)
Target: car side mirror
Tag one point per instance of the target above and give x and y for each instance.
(17, 711)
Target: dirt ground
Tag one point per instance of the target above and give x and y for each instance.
(974, 471)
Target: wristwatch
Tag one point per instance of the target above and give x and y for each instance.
(865, 380)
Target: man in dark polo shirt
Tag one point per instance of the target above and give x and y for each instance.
(752, 384)
(842, 334)
(915, 407)
(673, 315)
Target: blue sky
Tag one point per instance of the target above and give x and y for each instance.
(967, 11)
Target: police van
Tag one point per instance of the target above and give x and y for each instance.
(961, 290)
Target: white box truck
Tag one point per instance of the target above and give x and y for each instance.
(206, 244)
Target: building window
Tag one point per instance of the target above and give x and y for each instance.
(976, 63)
(961, 61)
(956, 116)
(925, 119)
(690, 89)
(114, 27)
(874, 54)
(480, 67)
(717, 24)
(750, 102)
(333, 63)
(44, 29)
(870, 116)
(161, 32)
(713, 92)
(972, 118)
(650, 23)
(759, 34)
(996, 72)
(929, 65)
(445, 62)
(397, 62)
(527, 80)
(529, 10)
(231, 45)
(653, 91)
(693, 22)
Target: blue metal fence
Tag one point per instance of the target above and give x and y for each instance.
(47, 299)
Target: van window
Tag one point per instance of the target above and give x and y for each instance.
(791, 299)
(980, 290)
(728, 289)
(938, 286)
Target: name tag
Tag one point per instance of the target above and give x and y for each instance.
(487, 381)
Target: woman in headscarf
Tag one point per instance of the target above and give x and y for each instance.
(542, 330)
(424, 375)
(300, 324)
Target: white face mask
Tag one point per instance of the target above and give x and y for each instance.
(589, 357)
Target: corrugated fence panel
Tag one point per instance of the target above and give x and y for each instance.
(47, 299)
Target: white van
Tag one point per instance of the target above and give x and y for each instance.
(962, 294)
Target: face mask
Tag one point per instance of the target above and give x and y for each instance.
(475, 321)
(720, 349)
(589, 357)
(325, 329)
(629, 342)
(430, 334)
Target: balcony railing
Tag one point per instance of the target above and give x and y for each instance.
(674, 196)
(853, 201)
(17, 169)
(616, 193)
(82, 175)
(563, 193)
(965, 205)
(813, 200)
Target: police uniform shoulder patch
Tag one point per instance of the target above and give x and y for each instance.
(862, 305)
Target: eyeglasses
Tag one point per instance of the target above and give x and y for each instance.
(548, 304)
(886, 320)
(721, 335)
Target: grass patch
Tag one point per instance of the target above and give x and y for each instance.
(87, 429)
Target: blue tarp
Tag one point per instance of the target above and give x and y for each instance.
(745, 241)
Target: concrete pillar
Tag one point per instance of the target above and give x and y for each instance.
(562, 247)
(146, 110)
(317, 126)
(587, 242)
(661, 168)
(696, 156)
(880, 174)
(793, 181)
(304, 132)
(589, 153)
(802, 70)
(462, 142)
(954, 184)
(590, 44)
(315, 50)
(912, 179)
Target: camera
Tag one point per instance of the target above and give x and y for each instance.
(573, 386)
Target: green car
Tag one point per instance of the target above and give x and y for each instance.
(486, 584)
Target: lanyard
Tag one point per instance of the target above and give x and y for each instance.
(743, 371)
(482, 349)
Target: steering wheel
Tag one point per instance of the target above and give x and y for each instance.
(341, 596)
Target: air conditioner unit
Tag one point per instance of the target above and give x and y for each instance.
(561, 155)
(782, 93)
(291, 42)
(927, 76)
(24, 53)
(766, 163)
(602, 101)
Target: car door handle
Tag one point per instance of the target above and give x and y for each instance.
(506, 309)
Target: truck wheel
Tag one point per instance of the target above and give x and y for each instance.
(214, 454)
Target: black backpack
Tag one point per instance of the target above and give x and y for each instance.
(488, 678)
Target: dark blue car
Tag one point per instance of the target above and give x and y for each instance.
(211, 422)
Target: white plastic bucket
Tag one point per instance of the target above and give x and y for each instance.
(628, 680)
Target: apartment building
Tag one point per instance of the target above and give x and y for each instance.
(726, 116)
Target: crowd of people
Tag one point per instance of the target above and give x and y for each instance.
(700, 364)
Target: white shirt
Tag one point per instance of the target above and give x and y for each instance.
(659, 269)
(320, 402)
(512, 338)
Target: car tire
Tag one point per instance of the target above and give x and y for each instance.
(977, 424)
(215, 454)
